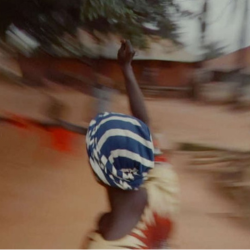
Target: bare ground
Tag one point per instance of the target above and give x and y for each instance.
(50, 200)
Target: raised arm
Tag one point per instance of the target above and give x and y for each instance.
(136, 100)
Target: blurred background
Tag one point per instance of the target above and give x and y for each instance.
(58, 68)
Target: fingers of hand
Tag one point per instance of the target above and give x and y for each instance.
(126, 51)
(122, 49)
(123, 45)
(129, 48)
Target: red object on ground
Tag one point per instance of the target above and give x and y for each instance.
(23, 124)
(62, 140)
(19, 121)
(161, 158)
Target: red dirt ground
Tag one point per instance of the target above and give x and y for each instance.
(50, 199)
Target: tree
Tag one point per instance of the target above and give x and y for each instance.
(48, 21)
(241, 60)
(213, 50)
(129, 18)
(45, 20)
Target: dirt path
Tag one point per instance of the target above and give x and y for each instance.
(203, 221)
(184, 121)
(177, 120)
(50, 200)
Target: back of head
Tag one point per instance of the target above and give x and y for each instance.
(120, 150)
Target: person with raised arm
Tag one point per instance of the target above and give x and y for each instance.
(142, 191)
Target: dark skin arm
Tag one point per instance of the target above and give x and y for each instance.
(136, 100)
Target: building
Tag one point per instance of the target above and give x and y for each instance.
(232, 78)
(163, 64)
(229, 62)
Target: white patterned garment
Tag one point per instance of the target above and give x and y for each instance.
(120, 150)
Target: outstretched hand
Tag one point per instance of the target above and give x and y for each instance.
(125, 57)
(126, 53)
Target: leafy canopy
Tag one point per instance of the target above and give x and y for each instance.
(130, 18)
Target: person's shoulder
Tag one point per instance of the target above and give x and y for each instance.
(108, 227)
(102, 222)
(118, 225)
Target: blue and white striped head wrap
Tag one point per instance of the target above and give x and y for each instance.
(120, 150)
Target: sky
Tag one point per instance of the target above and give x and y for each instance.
(225, 24)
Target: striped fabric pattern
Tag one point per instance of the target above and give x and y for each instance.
(120, 150)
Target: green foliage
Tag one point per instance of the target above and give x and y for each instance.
(48, 20)
(128, 17)
(45, 20)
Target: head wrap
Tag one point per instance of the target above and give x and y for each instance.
(120, 150)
